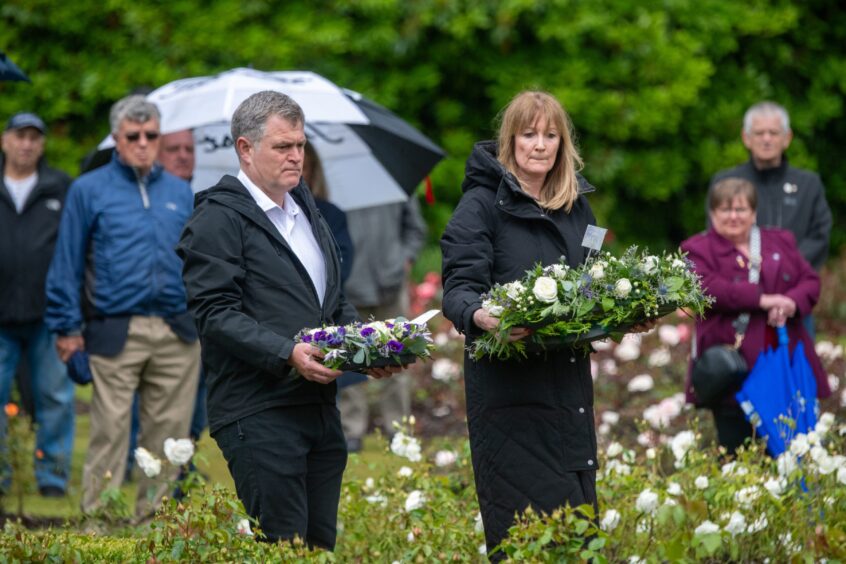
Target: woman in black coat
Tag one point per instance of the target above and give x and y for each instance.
(531, 421)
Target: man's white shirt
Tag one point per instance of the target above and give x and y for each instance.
(292, 223)
(21, 189)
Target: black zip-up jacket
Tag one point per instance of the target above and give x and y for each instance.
(531, 420)
(789, 198)
(250, 295)
(27, 244)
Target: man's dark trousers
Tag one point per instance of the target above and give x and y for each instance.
(287, 463)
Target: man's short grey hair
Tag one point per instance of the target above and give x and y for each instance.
(766, 109)
(135, 108)
(250, 118)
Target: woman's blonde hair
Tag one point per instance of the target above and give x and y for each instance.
(561, 188)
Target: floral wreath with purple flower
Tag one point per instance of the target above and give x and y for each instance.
(373, 343)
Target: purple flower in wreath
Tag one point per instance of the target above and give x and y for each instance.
(306, 338)
(320, 336)
(335, 339)
(395, 346)
(367, 331)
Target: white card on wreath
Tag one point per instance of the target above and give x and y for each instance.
(594, 236)
(424, 317)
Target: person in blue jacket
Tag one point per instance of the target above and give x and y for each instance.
(114, 289)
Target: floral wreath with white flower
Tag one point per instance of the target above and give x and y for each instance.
(556, 305)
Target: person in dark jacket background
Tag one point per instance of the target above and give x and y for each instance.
(260, 265)
(114, 290)
(787, 290)
(531, 421)
(788, 197)
(32, 196)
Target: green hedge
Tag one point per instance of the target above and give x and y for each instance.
(656, 90)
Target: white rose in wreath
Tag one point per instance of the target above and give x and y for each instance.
(514, 289)
(179, 452)
(622, 288)
(650, 264)
(546, 289)
(597, 271)
(492, 309)
(147, 462)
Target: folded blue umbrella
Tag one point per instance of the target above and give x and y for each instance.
(808, 388)
(79, 370)
(775, 393)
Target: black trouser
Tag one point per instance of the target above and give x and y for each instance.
(732, 427)
(287, 463)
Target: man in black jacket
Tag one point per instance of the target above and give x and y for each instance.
(260, 265)
(31, 199)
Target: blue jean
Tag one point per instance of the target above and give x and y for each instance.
(52, 392)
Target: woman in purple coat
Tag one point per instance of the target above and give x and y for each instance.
(787, 290)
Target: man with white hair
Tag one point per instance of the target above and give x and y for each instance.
(115, 291)
(788, 197)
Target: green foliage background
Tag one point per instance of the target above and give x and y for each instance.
(657, 90)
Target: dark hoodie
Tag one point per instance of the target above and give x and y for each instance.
(250, 295)
(531, 421)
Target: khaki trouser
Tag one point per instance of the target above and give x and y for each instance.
(165, 372)
(394, 393)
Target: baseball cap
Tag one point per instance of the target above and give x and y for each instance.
(26, 119)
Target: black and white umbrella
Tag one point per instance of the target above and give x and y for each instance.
(370, 156)
(10, 71)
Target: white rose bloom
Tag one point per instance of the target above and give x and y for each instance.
(179, 452)
(827, 464)
(669, 335)
(603, 428)
(841, 475)
(786, 464)
(635, 559)
(379, 327)
(682, 443)
(650, 264)
(415, 500)
(650, 453)
(824, 424)
(799, 446)
(818, 453)
(622, 288)
(559, 270)
(597, 270)
(243, 527)
(495, 311)
(483, 549)
(706, 528)
(736, 524)
(678, 263)
(833, 382)
(480, 526)
(514, 290)
(641, 383)
(410, 536)
(610, 417)
(814, 437)
(445, 370)
(614, 449)
(617, 467)
(149, 464)
(610, 520)
(409, 447)
(369, 483)
(701, 482)
(647, 501)
(445, 458)
(659, 358)
(405, 472)
(758, 525)
(674, 489)
(628, 349)
(775, 486)
(546, 289)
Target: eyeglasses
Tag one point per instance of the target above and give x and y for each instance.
(136, 135)
(737, 211)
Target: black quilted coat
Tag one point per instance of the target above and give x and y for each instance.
(531, 421)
